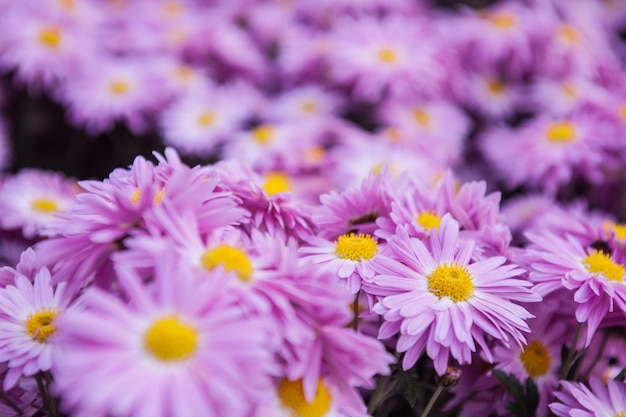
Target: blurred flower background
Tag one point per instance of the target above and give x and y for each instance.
(310, 208)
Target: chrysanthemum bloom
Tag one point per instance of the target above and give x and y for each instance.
(111, 90)
(28, 315)
(435, 129)
(491, 95)
(171, 349)
(33, 199)
(354, 209)
(441, 301)
(391, 56)
(546, 153)
(348, 256)
(40, 45)
(562, 96)
(200, 120)
(599, 400)
(304, 102)
(23, 396)
(540, 358)
(593, 275)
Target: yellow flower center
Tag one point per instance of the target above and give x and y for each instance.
(44, 205)
(40, 325)
(568, 33)
(231, 258)
(315, 154)
(561, 132)
(172, 9)
(536, 359)
(169, 339)
(428, 220)
(118, 87)
(387, 55)
(309, 106)
(136, 196)
(451, 280)
(359, 247)
(617, 228)
(263, 134)
(502, 20)
(495, 86)
(184, 73)
(206, 119)
(291, 396)
(620, 414)
(622, 111)
(569, 90)
(50, 37)
(276, 182)
(598, 262)
(421, 116)
(158, 197)
(67, 4)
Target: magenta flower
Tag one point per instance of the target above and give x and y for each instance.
(29, 312)
(164, 348)
(597, 401)
(441, 301)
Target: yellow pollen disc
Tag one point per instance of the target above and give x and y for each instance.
(393, 135)
(136, 196)
(172, 9)
(67, 4)
(356, 247)
(428, 220)
(158, 197)
(169, 339)
(495, 86)
(118, 87)
(232, 259)
(40, 325)
(598, 262)
(617, 228)
(502, 20)
(451, 280)
(309, 106)
(45, 205)
(387, 55)
(561, 132)
(568, 33)
(50, 37)
(569, 90)
(536, 359)
(184, 73)
(276, 182)
(263, 134)
(291, 396)
(422, 117)
(206, 119)
(315, 154)
(621, 413)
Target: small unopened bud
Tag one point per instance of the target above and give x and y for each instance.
(451, 377)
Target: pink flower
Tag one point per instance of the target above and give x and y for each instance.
(171, 349)
(28, 322)
(441, 301)
(598, 401)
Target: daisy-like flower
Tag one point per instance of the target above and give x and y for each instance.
(171, 349)
(594, 276)
(540, 358)
(110, 90)
(599, 400)
(32, 200)
(491, 95)
(348, 256)
(198, 121)
(394, 56)
(547, 152)
(304, 102)
(441, 301)
(28, 319)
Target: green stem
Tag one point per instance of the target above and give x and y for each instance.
(43, 392)
(10, 403)
(378, 396)
(433, 400)
(567, 366)
(596, 359)
(355, 312)
(51, 400)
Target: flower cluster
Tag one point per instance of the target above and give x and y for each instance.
(359, 208)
